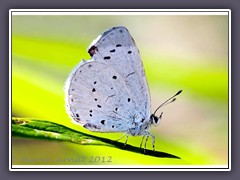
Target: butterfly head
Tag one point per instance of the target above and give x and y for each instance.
(155, 120)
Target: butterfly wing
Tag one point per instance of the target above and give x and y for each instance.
(94, 98)
(109, 93)
(117, 47)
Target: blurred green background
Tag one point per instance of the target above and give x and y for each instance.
(178, 52)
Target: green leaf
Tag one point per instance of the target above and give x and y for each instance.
(52, 131)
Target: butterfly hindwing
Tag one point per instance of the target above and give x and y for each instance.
(96, 102)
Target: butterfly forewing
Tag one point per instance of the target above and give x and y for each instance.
(117, 47)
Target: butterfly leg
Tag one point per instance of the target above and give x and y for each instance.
(142, 140)
(126, 140)
(125, 134)
(153, 141)
(145, 145)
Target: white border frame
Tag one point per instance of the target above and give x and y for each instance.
(119, 12)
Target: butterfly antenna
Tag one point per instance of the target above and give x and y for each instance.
(170, 100)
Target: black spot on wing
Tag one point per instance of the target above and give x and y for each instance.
(91, 126)
(113, 50)
(107, 57)
(118, 45)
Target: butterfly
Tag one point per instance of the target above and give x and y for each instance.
(109, 92)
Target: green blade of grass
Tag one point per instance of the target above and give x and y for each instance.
(48, 130)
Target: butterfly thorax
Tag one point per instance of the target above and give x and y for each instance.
(140, 128)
